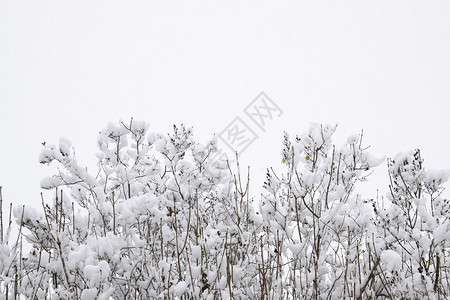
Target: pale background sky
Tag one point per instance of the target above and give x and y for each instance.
(68, 68)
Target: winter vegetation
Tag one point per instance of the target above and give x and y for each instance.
(161, 219)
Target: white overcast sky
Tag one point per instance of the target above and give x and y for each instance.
(67, 68)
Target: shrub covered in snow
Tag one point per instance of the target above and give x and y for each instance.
(161, 219)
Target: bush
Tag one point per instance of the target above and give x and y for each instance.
(163, 220)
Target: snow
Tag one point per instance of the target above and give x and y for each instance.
(323, 270)
(77, 257)
(50, 183)
(196, 252)
(104, 270)
(353, 139)
(435, 178)
(92, 274)
(64, 146)
(89, 294)
(196, 271)
(27, 212)
(180, 288)
(106, 295)
(442, 233)
(391, 260)
(160, 145)
(295, 248)
(124, 219)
